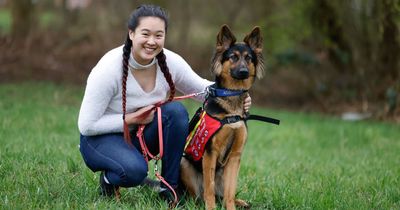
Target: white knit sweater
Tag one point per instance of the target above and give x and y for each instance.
(101, 109)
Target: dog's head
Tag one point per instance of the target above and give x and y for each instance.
(236, 64)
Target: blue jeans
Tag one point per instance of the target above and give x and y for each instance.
(125, 165)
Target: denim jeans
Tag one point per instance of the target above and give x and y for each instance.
(125, 165)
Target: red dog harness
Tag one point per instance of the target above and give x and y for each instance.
(199, 136)
(203, 131)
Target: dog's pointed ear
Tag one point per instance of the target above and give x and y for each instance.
(254, 40)
(225, 38)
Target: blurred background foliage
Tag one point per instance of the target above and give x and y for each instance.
(329, 56)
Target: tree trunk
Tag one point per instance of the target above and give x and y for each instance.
(22, 12)
(389, 55)
(326, 22)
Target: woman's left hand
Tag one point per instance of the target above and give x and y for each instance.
(247, 104)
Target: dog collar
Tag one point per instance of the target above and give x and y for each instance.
(222, 92)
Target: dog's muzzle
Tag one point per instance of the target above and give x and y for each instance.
(240, 73)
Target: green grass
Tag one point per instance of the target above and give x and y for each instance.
(5, 21)
(308, 162)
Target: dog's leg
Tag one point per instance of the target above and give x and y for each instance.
(209, 163)
(232, 169)
(230, 179)
(191, 178)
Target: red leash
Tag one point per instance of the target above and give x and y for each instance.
(145, 150)
(147, 153)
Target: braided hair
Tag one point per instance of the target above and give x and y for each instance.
(143, 11)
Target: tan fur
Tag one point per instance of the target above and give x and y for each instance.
(221, 159)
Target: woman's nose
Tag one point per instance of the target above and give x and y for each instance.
(151, 40)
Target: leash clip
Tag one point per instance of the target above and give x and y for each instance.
(207, 92)
(202, 92)
(156, 166)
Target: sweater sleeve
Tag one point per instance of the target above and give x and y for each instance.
(100, 88)
(186, 80)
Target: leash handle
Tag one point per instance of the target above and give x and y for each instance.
(146, 152)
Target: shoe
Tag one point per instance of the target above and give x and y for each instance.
(153, 184)
(107, 190)
(168, 196)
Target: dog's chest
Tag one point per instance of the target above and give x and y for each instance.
(228, 139)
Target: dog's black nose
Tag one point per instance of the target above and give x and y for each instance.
(240, 74)
(244, 72)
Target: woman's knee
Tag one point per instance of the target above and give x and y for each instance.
(175, 111)
(134, 175)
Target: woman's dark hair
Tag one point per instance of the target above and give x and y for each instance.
(143, 11)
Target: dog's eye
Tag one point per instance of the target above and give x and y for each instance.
(248, 58)
(234, 57)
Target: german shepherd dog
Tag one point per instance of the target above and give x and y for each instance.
(235, 66)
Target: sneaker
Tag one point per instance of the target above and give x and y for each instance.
(168, 196)
(107, 190)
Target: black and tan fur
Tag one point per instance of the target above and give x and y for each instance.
(235, 66)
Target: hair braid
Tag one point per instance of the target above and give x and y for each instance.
(165, 70)
(125, 58)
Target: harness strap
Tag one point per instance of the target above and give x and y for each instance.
(263, 118)
(237, 118)
(231, 119)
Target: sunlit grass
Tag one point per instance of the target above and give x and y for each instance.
(308, 162)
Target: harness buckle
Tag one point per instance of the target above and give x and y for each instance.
(230, 120)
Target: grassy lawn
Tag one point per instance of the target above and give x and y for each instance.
(308, 162)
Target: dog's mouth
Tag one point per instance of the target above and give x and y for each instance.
(240, 74)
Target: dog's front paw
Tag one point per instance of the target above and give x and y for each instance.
(242, 204)
(210, 207)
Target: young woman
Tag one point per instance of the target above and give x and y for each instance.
(126, 82)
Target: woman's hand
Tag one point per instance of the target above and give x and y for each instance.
(247, 103)
(141, 116)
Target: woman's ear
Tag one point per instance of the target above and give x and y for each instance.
(131, 34)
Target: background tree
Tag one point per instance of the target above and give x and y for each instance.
(23, 18)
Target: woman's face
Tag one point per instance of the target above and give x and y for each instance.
(147, 39)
